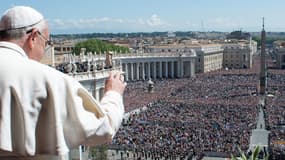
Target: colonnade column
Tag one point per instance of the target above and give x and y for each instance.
(154, 70)
(192, 68)
(178, 68)
(160, 69)
(166, 69)
(138, 71)
(172, 69)
(143, 71)
(126, 72)
(148, 70)
(181, 69)
(132, 71)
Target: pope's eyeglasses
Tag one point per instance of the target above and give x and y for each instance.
(47, 41)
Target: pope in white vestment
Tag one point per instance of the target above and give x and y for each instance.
(45, 112)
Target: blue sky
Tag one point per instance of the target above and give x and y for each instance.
(105, 16)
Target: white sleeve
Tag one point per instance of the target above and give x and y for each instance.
(79, 118)
(100, 121)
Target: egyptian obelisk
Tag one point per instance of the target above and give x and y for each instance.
(262, 84)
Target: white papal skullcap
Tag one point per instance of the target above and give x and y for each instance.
(19, 17)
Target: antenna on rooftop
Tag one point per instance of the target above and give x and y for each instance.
(263, 23)
(202, 26)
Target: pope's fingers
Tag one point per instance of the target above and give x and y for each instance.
(122, 78)
(111, 74)
(117, 75)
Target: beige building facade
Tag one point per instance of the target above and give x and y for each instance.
(209, 57)
(238, 54)
(279, 50)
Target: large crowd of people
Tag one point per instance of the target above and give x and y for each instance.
(212, 112)
(209, 113)
(275, 113)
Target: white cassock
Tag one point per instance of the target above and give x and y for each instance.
(43, 111)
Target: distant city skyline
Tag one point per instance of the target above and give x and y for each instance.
(126, 16)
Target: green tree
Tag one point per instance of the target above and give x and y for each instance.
(98, 153)
(98, 46)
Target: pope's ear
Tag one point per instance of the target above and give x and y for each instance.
(32, 37)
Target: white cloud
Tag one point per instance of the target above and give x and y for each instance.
(81, 23)
(151, 23)
(154, 20)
